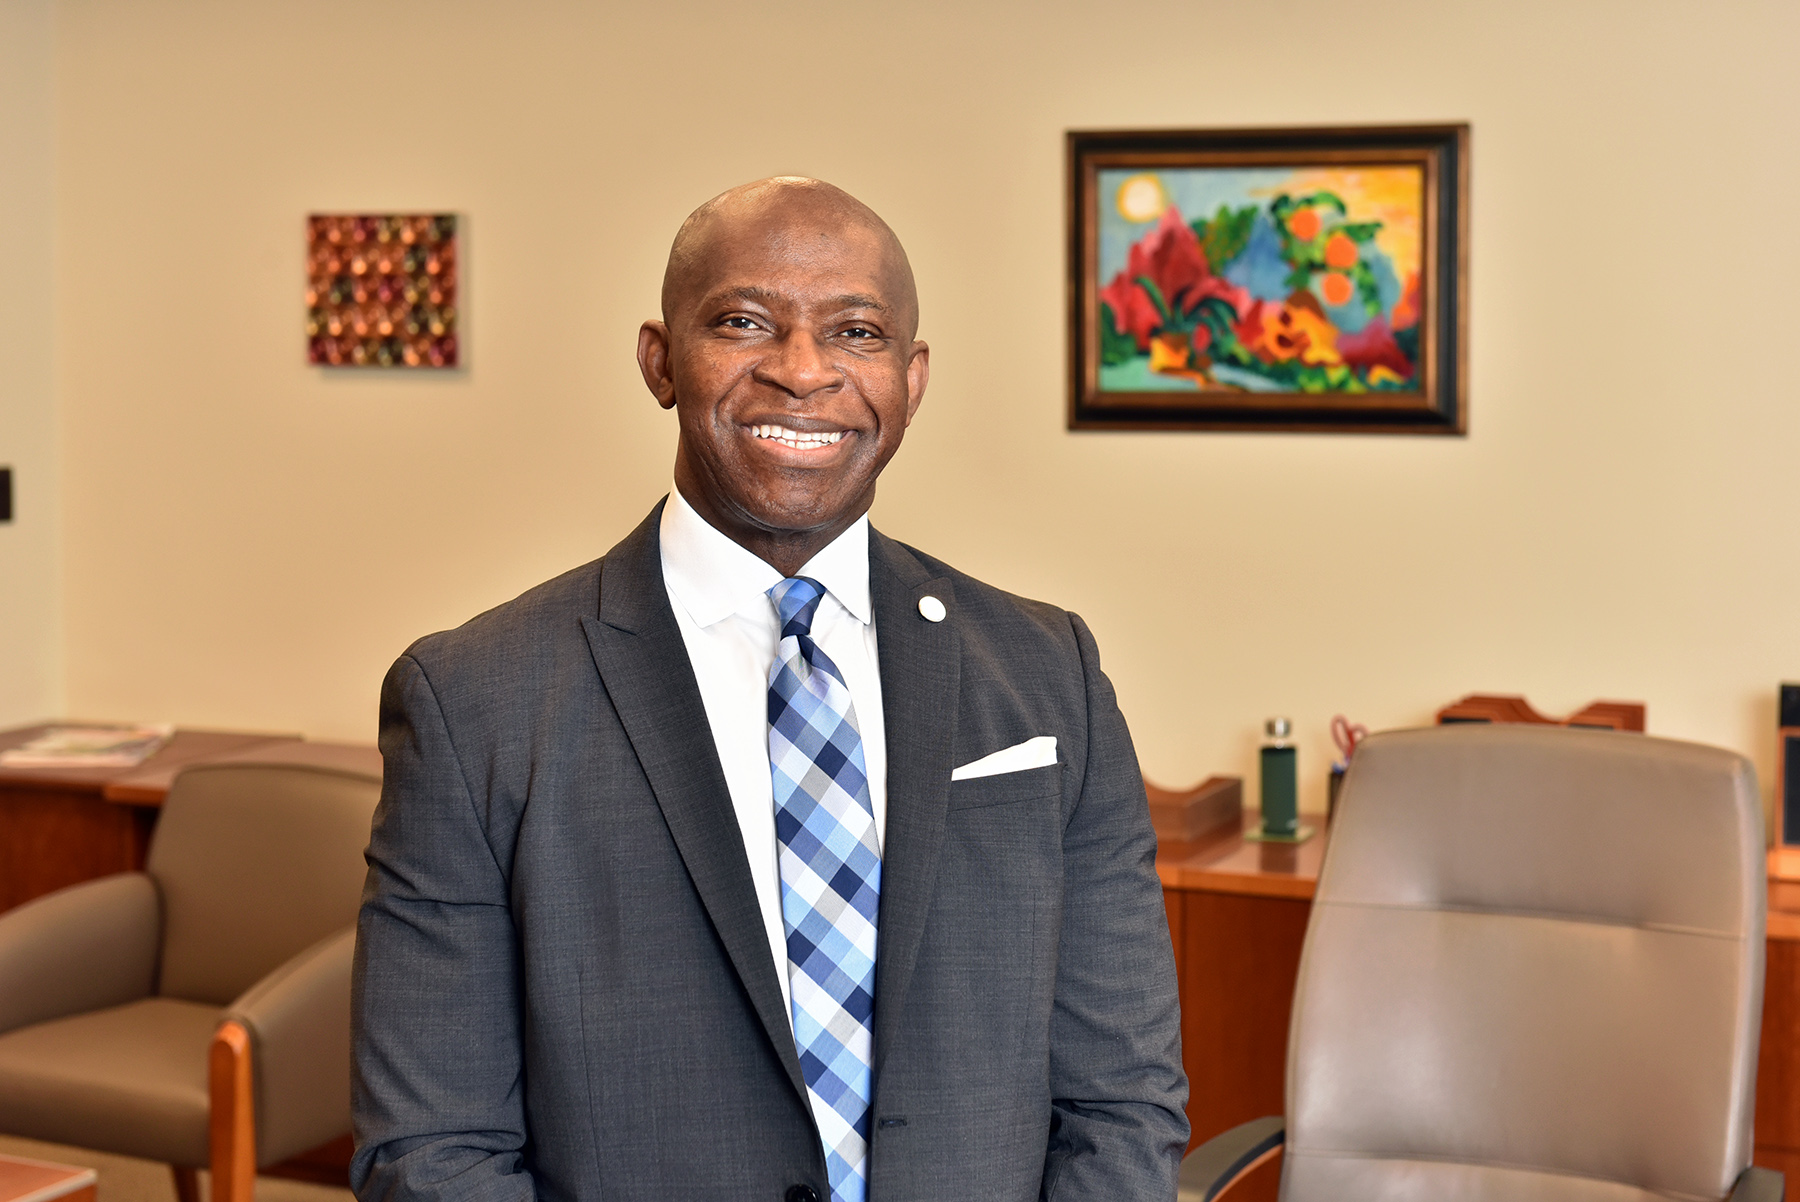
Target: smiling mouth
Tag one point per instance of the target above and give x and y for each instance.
(800, 440)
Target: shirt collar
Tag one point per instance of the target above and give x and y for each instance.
(713, 577)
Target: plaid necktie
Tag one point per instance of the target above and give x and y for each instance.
(830, 883)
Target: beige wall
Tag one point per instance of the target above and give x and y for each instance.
(250, 542)
(30, 609)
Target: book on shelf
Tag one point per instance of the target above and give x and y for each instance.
(89, 747)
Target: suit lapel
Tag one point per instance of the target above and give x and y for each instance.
(644, 665)
(921, 665)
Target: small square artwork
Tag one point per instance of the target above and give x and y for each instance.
(381, 290)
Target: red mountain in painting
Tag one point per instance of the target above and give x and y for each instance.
(1169, 256)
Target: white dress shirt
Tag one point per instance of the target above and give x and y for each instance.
(719, 592)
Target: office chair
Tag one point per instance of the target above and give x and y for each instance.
(197, 1012)
(1533, 970)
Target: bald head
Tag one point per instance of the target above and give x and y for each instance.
(802, 218)
(787, 351)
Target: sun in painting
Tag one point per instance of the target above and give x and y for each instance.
(1141, 198)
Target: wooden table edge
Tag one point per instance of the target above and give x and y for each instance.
(134, 795)
(148, 783)
(1201, 880)
(75, 1178)
(87, 1179)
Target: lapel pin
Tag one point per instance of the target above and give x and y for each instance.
(932, 609)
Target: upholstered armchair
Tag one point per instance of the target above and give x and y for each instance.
(197, 1012)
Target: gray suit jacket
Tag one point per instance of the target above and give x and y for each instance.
(563, 986)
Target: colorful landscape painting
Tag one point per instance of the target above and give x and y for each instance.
(1260, 279)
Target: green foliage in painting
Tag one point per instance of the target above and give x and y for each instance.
(1174, 321)
(1115, 348)
(1224, 237)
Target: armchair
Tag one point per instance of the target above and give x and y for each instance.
(197, 1012)
(1533, 970)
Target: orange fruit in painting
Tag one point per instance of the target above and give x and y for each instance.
(1304, 224)
(1336, 288)
(1340, 252)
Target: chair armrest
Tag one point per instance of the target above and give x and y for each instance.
(1759, 1185)
(1216, 1165)
(298, 1018)
(82, 948)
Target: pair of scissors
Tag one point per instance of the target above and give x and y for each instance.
(1347, 735)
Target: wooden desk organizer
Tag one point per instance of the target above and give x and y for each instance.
(1184, 815)
(1498, 707)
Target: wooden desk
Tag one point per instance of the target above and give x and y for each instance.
(60, 826)
(1237, 914)
(1778, 1066)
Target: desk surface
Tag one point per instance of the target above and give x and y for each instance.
(1229, 863)
(146, 784)
(153, 775)
(1784, 910)
(62, 826)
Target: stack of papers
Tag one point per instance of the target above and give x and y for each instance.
(89, 747)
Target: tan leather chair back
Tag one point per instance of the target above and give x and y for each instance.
(256, 862)
(1533, 970)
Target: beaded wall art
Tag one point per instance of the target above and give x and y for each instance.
(381, 290)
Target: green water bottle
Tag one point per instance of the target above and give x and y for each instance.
(1280, 782)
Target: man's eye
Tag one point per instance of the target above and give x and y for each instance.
(860, 332)
(740, 323)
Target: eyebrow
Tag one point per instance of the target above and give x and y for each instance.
(858, 300)
(764, 296)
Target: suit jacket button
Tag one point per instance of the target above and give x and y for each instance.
(802, 1193)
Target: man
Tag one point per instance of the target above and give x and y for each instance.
(766, 858)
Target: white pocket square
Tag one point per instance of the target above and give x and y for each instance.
(1032, 753)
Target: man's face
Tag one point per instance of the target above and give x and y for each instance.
(789, 359)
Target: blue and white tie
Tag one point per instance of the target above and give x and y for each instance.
(830, 883)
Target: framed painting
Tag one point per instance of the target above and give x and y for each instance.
(1269, 279)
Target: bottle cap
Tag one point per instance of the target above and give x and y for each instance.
(1277, 728)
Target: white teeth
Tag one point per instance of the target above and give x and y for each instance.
(800, 440)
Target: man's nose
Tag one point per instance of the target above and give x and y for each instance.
(799, 365)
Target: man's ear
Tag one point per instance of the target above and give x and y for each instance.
(918, 374)
(653, 361)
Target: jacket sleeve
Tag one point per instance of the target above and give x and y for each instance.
(437, 1084)
(1117, 1089)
